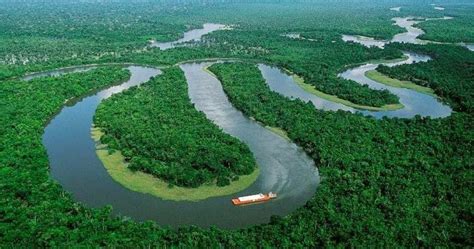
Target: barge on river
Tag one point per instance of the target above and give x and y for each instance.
(250, 199)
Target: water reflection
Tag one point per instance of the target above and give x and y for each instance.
(192, 35)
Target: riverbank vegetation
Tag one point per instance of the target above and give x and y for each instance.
(311, 89)
(31, 202)
(309, 60)
(381, 178)
(159, 132)
(381, 78)
(116, 166)
(450, 74)
(455, 30)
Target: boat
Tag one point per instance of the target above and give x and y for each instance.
(250, 199)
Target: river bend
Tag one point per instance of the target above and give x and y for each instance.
(284, 167)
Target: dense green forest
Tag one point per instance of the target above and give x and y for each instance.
(454, 30)
(450, 74)
(159, 132)
(31, 201)
(403, 180)
(121, 32)
(385, 183)
(251, 38)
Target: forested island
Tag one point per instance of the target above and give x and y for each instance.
(159, 132)
(372, 181)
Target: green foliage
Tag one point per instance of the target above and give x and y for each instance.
(119, 33)
(386, 182)
(458, 29)
(30, 201)
(310, 60)
(450, 74)
(159, 132)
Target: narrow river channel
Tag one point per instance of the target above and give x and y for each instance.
(415, 103)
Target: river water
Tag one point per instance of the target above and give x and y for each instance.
(409, 36)
(192, 35)
(366, 41)
(415, 103)
(284, 168)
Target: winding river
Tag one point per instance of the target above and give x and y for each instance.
(284, 167)
(410, 36)
(415, 103)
